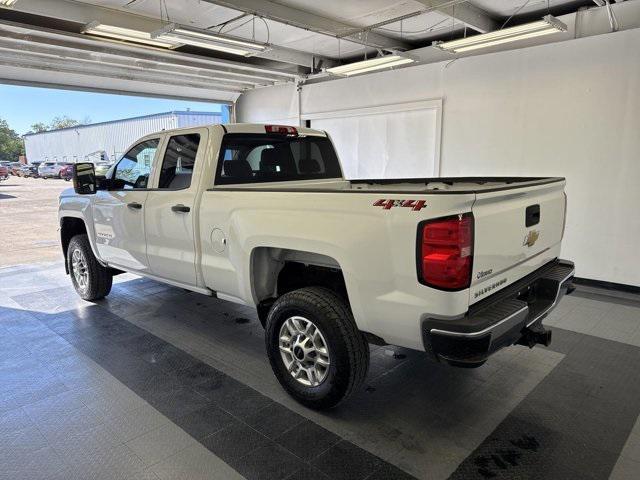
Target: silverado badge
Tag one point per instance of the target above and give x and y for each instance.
(531, 238)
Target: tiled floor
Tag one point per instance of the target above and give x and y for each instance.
(158, 383)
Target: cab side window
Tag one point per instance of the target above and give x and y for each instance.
(178, 162)
(134, 168)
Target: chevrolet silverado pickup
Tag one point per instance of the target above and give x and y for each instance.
(261, 215)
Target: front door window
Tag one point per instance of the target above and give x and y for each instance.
(134, 167)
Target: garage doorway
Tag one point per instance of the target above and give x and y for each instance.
(44, 131)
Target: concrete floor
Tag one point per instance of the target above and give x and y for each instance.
(155, 383)
(28, 209)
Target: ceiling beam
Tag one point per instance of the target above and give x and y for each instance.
(296, 57)
(471, 16)
(84, 13)
(138, 53)
(190, 96)
(10, 58)
(51, 48)
(312, 22)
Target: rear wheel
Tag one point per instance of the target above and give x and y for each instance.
(316, 351)
(91, 280)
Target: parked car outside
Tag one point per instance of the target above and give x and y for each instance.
(4, 172)
(66, 172)
(48, 170)
(24, 171)
(101, 168)
(29, 170)
(34, 169)
(15, 168)
(52, 169)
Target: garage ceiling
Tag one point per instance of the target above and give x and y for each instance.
(293, 23)
(304, 36)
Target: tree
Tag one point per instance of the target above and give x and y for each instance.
(39, 127)
(58, 123)
(11, 146)
(62, 122)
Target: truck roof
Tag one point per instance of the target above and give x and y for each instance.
(255, 128)
(260, 128)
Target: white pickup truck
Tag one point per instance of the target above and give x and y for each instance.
(262, 216)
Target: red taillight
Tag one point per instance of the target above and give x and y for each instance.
(281, 129)
(446, 252)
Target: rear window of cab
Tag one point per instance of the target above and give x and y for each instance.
(262, 158)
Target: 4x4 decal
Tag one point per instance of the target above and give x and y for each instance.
(388, 204)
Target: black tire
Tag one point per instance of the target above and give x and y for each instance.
(99, 278)
(348, 348)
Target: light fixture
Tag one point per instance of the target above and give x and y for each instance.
(207, 39)
(369, 65)
(126, 34)
(7, 3)
(546, 26)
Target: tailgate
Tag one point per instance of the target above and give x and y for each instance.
(516, 232)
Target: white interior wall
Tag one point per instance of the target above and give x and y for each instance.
(401, 141)
(569, 109)
(278, 104)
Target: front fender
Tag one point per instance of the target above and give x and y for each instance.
(79, 206)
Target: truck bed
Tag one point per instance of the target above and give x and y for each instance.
(439, 185)
(454, 184)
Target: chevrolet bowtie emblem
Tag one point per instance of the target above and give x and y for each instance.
(531, 238)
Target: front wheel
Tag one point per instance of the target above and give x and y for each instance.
(91, 280)
(315, 348)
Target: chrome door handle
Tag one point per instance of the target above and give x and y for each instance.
(134, 205)
(180, 208)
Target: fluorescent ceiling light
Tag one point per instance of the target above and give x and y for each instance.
(126, 34)
(545, 26)
(7, 3)
(370, 65)
(208, 39)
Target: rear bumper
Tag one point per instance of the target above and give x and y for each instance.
(500, 320)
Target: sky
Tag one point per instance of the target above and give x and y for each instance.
(21, 106)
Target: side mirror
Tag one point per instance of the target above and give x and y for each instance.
(84, 178)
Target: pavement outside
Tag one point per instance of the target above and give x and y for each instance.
(29, 213)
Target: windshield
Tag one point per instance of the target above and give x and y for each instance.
(251, 158)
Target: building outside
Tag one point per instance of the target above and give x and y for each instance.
(106, 141)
